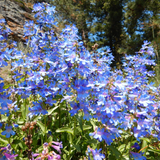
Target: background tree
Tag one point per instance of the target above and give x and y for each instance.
(121, 25)
(141, 23)
(97, 21)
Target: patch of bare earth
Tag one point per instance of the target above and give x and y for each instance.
(5, 73)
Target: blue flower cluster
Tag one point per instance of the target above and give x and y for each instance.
(60, 65)
(4, 50)
(6, 105)
(95, 154)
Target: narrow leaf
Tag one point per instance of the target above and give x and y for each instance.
(42, 126)
(65, 129)
(115, 151)
(50, 111)
(3, 141)
(87, 127)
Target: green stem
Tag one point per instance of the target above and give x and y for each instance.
(26, 109)
(82, 121)
(60, 119)
(131, 141)
(9, 123)
(75, 122)
(45, 122)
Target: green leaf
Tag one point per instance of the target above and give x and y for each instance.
(42, 126)
(20, 121)
(115, 151)
(77, 147)
(154, 150)
(22, 145)
(66, 151)
(36, 118)
(24, 111)
(80, 120)
(94, 141)
(57, 97)
(146, 139)
(64, 156)
(49, 139)
(40, 149)
(65, 129)
(3, 141)
(121, 147)
(78, 140)
(50, 111)
(111, 157)
(16, 141)
(6, 86)
(70, 138)
(93, 124)
(86, 127)
(4, 118)
(144, 145)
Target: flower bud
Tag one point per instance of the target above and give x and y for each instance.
(35, 122)
(27, 125)
(23, 128)
(31, 127)
(32, 123)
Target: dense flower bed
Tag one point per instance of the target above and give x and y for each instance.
(62, 91)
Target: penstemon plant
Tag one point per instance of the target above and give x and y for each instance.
(63, 94)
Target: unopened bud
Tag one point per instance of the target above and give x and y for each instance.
(31, 127)
(27, 125)
(32, 123)
(35, 122)
(23, 128)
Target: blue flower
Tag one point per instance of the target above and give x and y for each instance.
(50, 10)
(97, 155)
(1, 125)
(2, 21)
(37, 109)
(16, 125)
(97, 134)
(1, 87)
(38, 7)
(8, 132)
(76, 108)
(137, 156)
(136, 146)
(50, 132)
